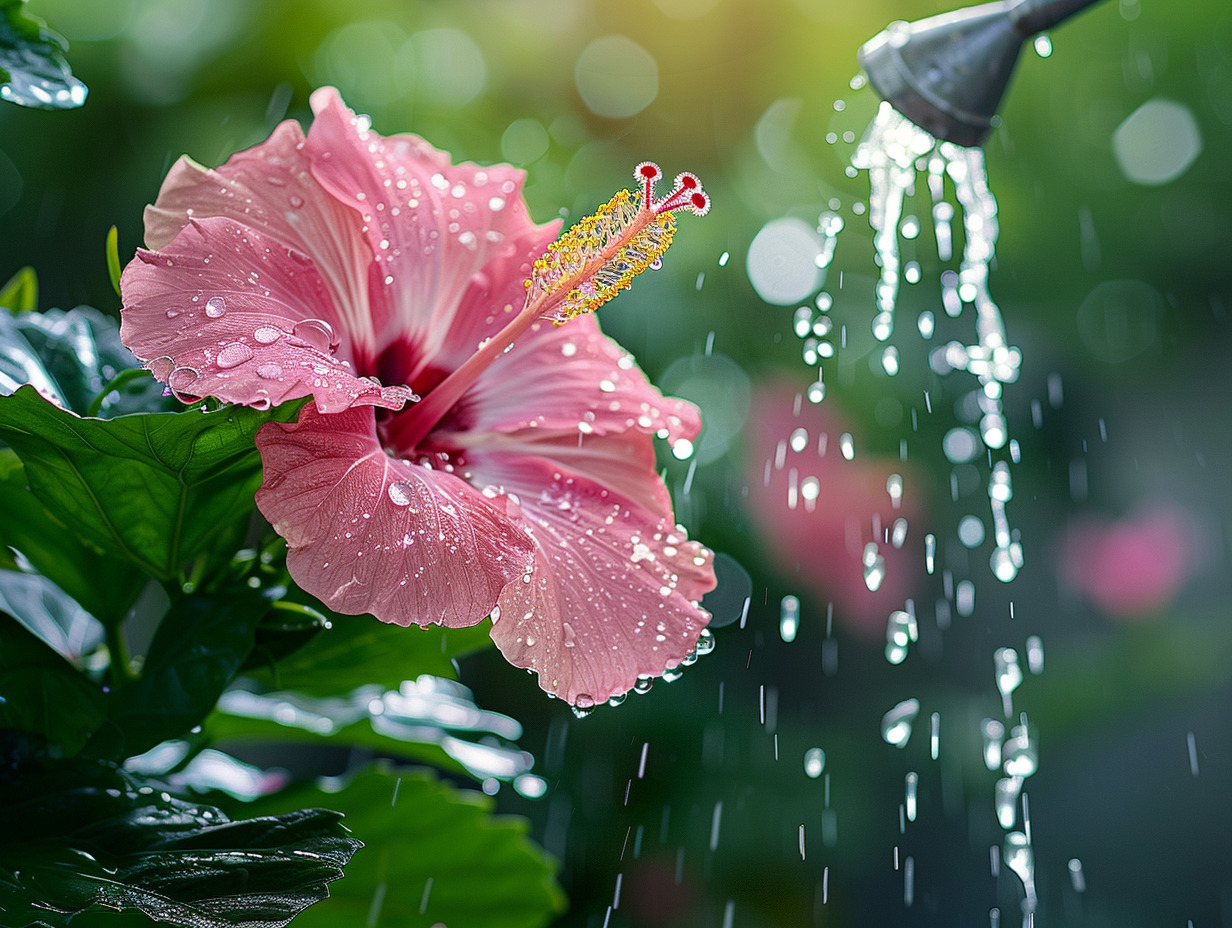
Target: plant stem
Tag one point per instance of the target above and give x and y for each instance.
(118, 651)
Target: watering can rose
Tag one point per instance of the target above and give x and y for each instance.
(462, 456)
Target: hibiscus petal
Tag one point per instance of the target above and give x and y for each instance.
(573, 377)
(453, 243)
(367, 533)
(613, 594)
(225, 311)
(270, 188)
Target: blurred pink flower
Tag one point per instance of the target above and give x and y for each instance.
(1133, 566)
(816, 511)
(366, 271)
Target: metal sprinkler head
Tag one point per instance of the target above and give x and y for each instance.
(948, 73)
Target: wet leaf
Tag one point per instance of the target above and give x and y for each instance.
(20, 294)
(71, 358)
(105, 587)
(427, 719)
(41, 693)
(358, 650)
(33, 70)
(199, 646)
(432, 855)
(86, 836)
(151, 488)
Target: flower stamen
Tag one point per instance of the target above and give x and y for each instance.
(599, 256)
(580, 271)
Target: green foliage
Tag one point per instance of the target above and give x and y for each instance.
(33, 70)
(195, 654)
(433, 855)
(85, 835)
(358, 650)
(20, 294)
(116, 529)
(105, 586)
(42, 694)
(151, 488)
(73, 358)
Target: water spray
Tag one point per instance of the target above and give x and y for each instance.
(948, 73)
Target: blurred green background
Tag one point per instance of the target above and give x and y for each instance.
(684, 807)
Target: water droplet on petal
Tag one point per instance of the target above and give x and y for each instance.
(234, 355)
(215, 307)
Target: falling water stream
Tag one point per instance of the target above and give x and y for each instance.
(896, 153)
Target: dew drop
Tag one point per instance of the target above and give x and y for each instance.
(233, 355)
(399, 493)
(215, 307)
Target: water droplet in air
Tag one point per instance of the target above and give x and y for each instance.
(847, 446)
(874, 567)
(1019, 757)
(789, 618)
(1008, 673)
(896, 724)
(889, 360)
(992, 731)
(814, 762)
(1005, 800)
(901, 632)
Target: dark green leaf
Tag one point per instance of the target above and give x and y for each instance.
(87, 836)
(113, 258)
(42, 694)
(105, 587)
(20, 294)
(152, 488)
(33, 71)
(73, 358)
(432, 855)
(359, 650)
(195, 654)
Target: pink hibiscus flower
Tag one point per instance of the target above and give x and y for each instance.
(367, 272)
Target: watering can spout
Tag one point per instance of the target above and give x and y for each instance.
(948, 73)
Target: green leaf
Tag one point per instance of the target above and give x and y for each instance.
(82, 837)
(105, 587)
(20, 294)
(429, 719)
(113, 258)
(152, 488)
(432, 855)
(33, 70)
(358, 650)
(51, 614)
(74, 359)
(41, 693)
(199, 646)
